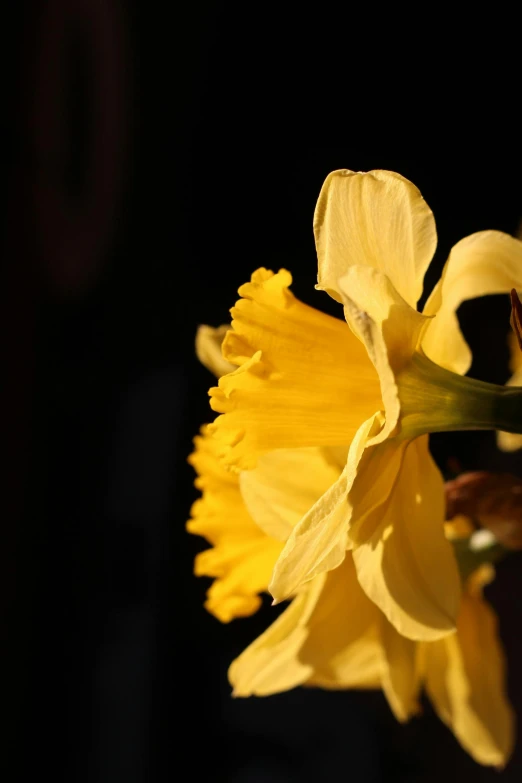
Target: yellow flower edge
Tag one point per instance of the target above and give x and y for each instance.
(331, 635)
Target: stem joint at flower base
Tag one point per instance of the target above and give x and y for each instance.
(434, 399)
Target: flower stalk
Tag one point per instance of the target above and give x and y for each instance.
(434, 399)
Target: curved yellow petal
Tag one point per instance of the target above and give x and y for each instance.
(389, 328)
(271, 664)
(328, 637)
(400, 677)
(488, 262)
(331, 636)
(403, 560)
(303, 378)
(376, 219)
(511, 441)
(209, 341)
(284, 486)
(343, 646)
(388, 504)
(319, 541)
(465, 680)
(242, 557)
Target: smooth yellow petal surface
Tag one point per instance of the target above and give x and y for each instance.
(319, 541)
(328, 637)
(242, 557)
(376, 219)
(284, 486)
(209, 341)
(271, 664)
(304, 379)
(403, 560)
(465, 680)
(343, 645)
(400, 678)
(488, 262)
(331, 636)
(511, 441)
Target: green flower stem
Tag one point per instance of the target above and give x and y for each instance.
(437, 400)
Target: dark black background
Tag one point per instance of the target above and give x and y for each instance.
(230, 119)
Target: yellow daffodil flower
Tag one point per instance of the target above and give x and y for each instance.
(382, 382)
(331, 635)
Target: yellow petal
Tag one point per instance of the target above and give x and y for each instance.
(211, 474)
(465, 680)
(241, 570)
(271, 664)
(242, 558)
(388, 504)
(343, 646)
(488, 262)
(304, 379)
(376, 219)
(403, 560)
(389, 328)
(284, 486)
(208, 349)
(511, 441)
(313, 643)
(318, 542)
(400, 676)
(331, 636)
